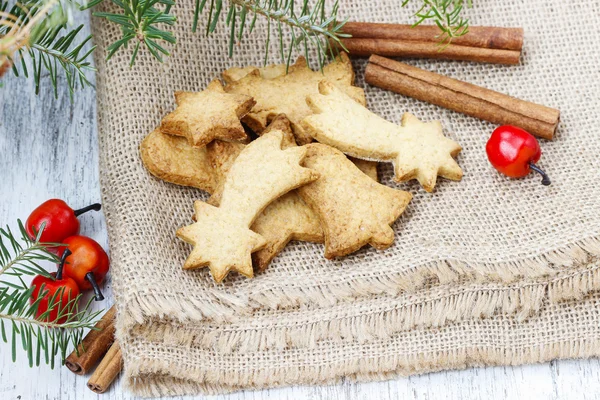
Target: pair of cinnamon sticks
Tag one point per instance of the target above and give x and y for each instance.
(481, 44)
(99, 345)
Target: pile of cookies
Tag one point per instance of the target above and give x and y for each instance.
(295, 181)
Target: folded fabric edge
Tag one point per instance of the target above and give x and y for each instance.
(244, 336)
(149, 382)
(448, 271)
(227, 307)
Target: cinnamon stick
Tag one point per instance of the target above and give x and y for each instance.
(481, 44)
(460, 96)
(94, 345)
(108, 370)
(411, 49)
(487, 37)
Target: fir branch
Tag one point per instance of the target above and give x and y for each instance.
(446, 14)
(142, 21)
(18, 324)
(17, 259)
(309, 26)
(37, 30)
(37, 33)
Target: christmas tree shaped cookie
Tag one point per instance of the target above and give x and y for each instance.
(354, 209)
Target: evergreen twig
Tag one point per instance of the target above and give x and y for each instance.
(446, 14)
(47, 41)
(38, 337)
(35, 35)
(308, 26)
(141, 20)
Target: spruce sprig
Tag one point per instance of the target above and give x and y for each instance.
(141, 21)
(39, 338)
(37, 32)
(36, 39)
(446, 14)
(308, 26)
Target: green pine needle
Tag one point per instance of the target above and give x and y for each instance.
(446, 14)
(21, 257)
(142, 22)
(312, 26)
(52, 48)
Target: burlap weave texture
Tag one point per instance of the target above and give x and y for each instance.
(487, 246)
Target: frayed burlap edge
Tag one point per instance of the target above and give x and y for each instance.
(152, 380)
(519, 300)
(149, 306)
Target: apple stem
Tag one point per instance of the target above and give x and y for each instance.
(545, 177)
(95, 207)
(61, 266)
(97, 292)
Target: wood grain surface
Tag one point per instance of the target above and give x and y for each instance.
(49, 148)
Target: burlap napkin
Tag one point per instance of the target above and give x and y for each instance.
(484, 271)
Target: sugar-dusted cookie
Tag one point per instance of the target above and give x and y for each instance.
(287, 93)
(261, 173)
(208, 115)
(418, 150)
(354, 209)
(285, 219)
(172, 159)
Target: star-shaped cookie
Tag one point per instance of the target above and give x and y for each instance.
(418, 150)
(211, 114)
(287, 93)
(424, 153)
(286, 218)
(261, 173)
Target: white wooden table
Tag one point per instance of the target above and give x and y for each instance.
(48, 148)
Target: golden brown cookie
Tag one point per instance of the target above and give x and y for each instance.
(354, 209)
(272, 71)
(221, 156)
(287, 93)
(282, 123)
(418, 150)
(172, 159)
(261, 173)
(369, 168)
(285, 219)
(208, 115)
